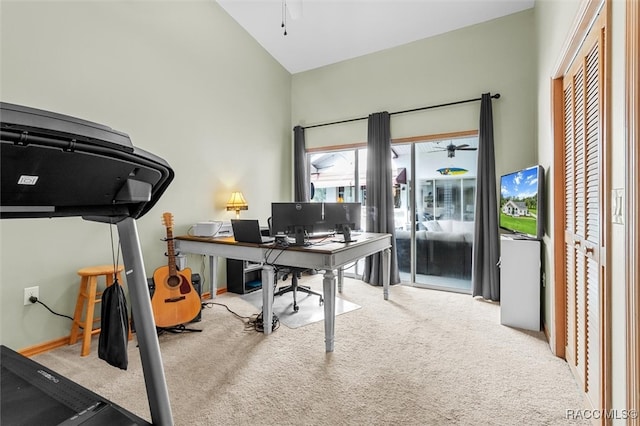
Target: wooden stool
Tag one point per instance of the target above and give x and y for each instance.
(89, 295)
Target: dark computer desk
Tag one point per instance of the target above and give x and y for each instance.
(329, 256)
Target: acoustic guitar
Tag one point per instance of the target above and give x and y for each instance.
(174, 300)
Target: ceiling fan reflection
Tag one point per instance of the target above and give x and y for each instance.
(451, 149)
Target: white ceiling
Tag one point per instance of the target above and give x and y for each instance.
(323, 32)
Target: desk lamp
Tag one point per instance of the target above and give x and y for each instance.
(237, 203)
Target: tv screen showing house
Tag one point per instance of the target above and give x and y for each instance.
(521, 202)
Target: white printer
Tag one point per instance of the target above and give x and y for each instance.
(212, 228)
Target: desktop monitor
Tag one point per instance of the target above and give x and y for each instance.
(296, 219)
(342, 217)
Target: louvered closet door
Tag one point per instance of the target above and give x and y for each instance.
(583, 140)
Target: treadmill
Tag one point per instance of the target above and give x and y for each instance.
(53, 165)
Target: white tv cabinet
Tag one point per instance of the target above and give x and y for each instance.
(520, 282)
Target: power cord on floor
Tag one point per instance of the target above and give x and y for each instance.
(34, 299)
(258, 323)
(252, 323)
(180, 328)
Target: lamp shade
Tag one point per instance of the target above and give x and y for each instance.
(236, 203)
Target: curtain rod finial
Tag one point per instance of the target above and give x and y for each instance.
(496, 96)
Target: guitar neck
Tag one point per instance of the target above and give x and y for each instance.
(171, 253)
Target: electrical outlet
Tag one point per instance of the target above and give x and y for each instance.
(31, 291)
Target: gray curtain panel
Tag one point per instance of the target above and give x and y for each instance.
(300, 172)
(379, 195)
(486, 241)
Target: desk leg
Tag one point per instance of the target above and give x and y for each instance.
(213, 276)
(386, 272)
(329, 290)
(268, 280)
(340, 279)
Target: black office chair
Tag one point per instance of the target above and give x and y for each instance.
(284, 272)
(294, 287)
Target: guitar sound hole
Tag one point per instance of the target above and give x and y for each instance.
(173, 281)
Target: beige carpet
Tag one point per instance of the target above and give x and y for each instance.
(309, 308)
(421, 358)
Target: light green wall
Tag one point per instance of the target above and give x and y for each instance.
(553, 21)
(186, 83)
(496, 56)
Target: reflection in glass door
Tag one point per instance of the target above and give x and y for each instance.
(444, 206)
(434, 202)
(435, 248)
(340, 176)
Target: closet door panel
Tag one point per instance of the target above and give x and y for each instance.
(569, 231)
(583, 141)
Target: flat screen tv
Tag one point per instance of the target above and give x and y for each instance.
(521, 207)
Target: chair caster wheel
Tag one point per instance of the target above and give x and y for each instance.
(295, 308)
(321, 301)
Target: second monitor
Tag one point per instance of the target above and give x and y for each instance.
(296, 219)
(342, 217)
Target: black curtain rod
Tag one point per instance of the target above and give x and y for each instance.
(496, 96)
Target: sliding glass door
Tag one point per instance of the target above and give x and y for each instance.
(434, 186)
(340, 176)
(434, 214)
(445, 202)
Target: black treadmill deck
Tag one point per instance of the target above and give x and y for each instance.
(32, 394)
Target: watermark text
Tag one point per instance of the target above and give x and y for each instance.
(612, 414)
